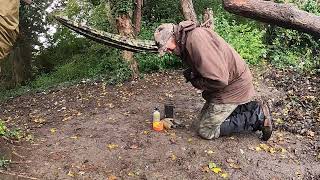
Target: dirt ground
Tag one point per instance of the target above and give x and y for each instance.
(95, 131)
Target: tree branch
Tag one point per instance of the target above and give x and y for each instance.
(284, 15)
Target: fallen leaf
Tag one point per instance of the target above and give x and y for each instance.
(205, 169)
(190, 140)
(234, 166)
(212, 165)
(53, 130)
(272, 150)
(264, 147)
(224, 175)
(230, 160)
(298, 173)
(216, 170)
(39, 120)
(210, 152)
(172, 140)
(71, 174)
(173, 157)
(130, 174)
(310, 133)
(283, 150)
(146, 132)
(112, 177)
(279, 121)
(134, 146)
(258, 149)
(74, 137)
(241, 151)
(66, 118)
(112, 146)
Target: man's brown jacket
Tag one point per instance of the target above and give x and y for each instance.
(218, 69)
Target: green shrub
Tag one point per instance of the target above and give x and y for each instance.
(291, 48)
(246, 38)
(152, 62)
(4, 163)
(99, 60)
(9, 133)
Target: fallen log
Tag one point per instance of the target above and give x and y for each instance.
(284, 15)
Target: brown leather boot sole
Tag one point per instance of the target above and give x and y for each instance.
(267, 123)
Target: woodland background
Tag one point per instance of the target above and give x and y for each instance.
(48, 54)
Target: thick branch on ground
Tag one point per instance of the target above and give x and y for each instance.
(284, 15)
(188, 10)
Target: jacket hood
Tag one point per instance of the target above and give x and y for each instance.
(180, 32)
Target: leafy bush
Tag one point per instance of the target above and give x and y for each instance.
(152, 62)
(13, 134)
(99, 60)
(290, 48)
(247, 38)
(4, 163)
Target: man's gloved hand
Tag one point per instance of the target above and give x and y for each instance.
(188, 74)
(207, 95)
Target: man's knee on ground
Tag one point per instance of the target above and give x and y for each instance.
(209, 133)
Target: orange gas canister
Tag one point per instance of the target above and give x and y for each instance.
(157, 124)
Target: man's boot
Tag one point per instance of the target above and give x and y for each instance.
(267, 123)
(247, 117)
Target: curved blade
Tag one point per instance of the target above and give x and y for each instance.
(113, 40)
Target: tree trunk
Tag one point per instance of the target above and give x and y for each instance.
(124, 27)
(188, 10)
(21, 62)
(137, 16)
(283, 15)
(208, 20)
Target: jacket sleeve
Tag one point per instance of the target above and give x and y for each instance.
(208, 59)
(207, 84)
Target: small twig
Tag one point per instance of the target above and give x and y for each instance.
(20, 162)
(15, 153)
(17, 175)
(9, 140)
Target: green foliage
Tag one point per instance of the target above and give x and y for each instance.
(3, 128)
(152, 62)
(246, 38)
(122, 6)
(162, 11)
(66, 57)
(290, 48)
(12, 134)
(99, 17)
(4, 163)
(98, 60)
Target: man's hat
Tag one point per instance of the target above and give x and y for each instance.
(162, 35)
